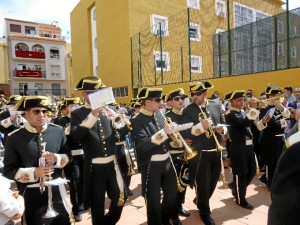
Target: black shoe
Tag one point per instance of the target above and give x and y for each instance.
(246, 205)
(233, 190)
(78, 218)
(207, 220)
(176, 221)
(183, 212)
(129, 192)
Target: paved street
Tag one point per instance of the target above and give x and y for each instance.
(224, 209)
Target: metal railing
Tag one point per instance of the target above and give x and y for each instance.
(55, 92)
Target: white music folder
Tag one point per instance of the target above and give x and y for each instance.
(101, 98)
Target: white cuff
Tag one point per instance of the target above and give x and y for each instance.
(260, 126)
(286, 113)
(61, 160)
(197, 129)
(177, 144)
(25, 175)
(225, 130)
(283, 123)
(252, 114)
(6, 122)
(90, 121)
(292, 139)
(159, 137)
(67, 130)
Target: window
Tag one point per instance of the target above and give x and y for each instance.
(293, 31)
(280, 27)
(196, 64)
(56, 89)
(162, 61)
(294, 52)
(220, 8)
(120, 92)
(55, 71)
(194, 4)
(54, 53)
(15, 28)
(280, 50)
(195, 32)
(159, 22)
(29, 30)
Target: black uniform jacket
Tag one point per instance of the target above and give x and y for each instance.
(21, 150)
(65, 122)
(270, 144)
(99, 141)
(190, 114)
(285, 189)
(238, 134)
(144, 126)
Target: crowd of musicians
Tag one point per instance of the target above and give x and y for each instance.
(179, 140)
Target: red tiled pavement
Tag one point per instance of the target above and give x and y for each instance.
(224, 209)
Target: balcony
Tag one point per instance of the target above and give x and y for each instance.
(55, 92)
(30, 73)
(30, 54)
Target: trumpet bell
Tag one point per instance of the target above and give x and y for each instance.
(188, 155)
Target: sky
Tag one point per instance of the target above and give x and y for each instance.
(40, 11)
(48, 11)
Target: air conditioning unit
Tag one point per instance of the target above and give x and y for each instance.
(221, 14)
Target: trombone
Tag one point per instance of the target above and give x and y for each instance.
(210, 132)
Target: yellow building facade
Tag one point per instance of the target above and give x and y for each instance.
(102, 44)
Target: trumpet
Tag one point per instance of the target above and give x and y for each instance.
(176, 137)
(210, 132)
(118, 120)
(263, 103)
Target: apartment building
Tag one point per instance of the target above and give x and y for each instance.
(36, 58)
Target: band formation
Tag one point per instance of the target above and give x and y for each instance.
(176, 140)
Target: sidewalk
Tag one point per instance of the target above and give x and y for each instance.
(224, 209)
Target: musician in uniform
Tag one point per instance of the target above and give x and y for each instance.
(285, 189)
(272, 137)
(74, 170)
(101, 172)
(151, 141)
(10, 119)
(242, 152)
(23, 150)
(176, 97)
(206, 166)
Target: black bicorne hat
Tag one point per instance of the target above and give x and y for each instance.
(28, 102)
(89, 83)
(234, 94)
(174, 93)
(12, 99)
(146, 93)
(201, 86)
(272, 89)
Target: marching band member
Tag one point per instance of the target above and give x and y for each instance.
(176, 97)
(272, 137)
(101, 172)
(242, 153)
(23, 150)
(151, 141)
(206, 166)
(74, 170)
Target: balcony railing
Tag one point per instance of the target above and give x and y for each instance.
(55, 92)
(30, 73)
(30, 54)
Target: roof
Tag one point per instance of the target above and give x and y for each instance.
(35, 37)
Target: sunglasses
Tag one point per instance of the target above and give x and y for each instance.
(156, 99)
(38, 111)
(179, 98)
(196, 93)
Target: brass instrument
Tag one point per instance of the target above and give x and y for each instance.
(189, 153)
(210, 132)
(118, 120)
(263, 103)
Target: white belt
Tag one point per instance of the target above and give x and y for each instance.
(210, 150)
(120, 143)
(160, 157)
(77, 152)
(33, 185)
(176, 151)
(103, 160)
(249, 142)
